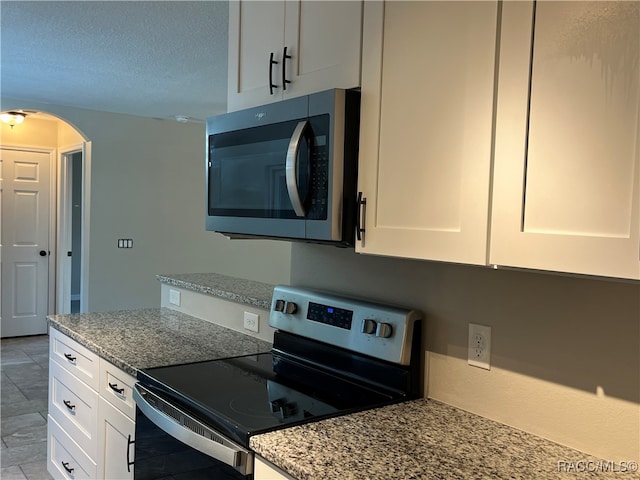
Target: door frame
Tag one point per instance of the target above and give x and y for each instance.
(63, 227)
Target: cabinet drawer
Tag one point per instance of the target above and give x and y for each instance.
(74, 406)
(116, 387)
(65, 459)
(75, 358)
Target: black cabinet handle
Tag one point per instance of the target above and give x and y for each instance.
(360, 207)
(114, 387)
(68, 404)
(129, 443)
(284, 69)
(69, 357)
(43, 253)
(272, 62)
(66, 467)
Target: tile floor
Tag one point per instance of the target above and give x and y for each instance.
(24, 371)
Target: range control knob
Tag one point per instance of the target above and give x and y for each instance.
(368, 326)
(279, 306)
(290, 307)
(384, 330)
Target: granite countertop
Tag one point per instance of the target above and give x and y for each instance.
(426, 440)
(237, 290)
(137, 339)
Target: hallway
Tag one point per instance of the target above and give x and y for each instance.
(24, 370)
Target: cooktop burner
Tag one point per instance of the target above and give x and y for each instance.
(242, 396)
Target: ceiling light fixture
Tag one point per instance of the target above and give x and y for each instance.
(13, 118)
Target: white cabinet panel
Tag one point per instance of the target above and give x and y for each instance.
(75, 358)
(117, 432)
(116, 386)
(256, 29)
(567, 171)
(91, 414)
(322, 38)
(265, 471)
(65, 459)
(74, 406)
(427, 110)
(322, 58)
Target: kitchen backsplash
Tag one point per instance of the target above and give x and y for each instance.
(564, 354)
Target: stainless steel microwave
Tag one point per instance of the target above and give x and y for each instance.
(287, 170)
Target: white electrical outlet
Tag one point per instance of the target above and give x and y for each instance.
(479, 346)
(174, 297)
(251, 321)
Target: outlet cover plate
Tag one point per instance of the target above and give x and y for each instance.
(174, 297)
(251, 321)
(479, 346)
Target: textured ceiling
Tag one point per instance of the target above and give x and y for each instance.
(149, 58)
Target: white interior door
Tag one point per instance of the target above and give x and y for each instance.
(25, 186)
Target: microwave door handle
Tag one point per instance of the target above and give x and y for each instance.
(291, 168)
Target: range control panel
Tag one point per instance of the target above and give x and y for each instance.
(381, 331)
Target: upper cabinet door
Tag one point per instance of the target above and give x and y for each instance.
(566, 192)
(428, 71)
(256, 31)
(322, 41)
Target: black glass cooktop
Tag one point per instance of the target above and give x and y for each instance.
(243, 396)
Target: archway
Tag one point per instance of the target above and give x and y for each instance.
(39, 268)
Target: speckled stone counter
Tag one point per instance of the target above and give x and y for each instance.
(426, 440)
(237, 290)
(136, 339)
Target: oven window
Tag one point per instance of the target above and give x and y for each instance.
(160, 456)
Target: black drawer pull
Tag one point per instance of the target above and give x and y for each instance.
(361, 205)
(272, 62)
(284, 69)
(68, 404)
(66, 467)
(129, 443)
(69, 357)
(114, 387)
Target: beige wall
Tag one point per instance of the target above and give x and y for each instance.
(147, 183)
(565, 350)
(32, 132)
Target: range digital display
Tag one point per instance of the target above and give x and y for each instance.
(336, 317)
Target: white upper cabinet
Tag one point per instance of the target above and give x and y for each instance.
(322, 39)
(566, 191)
(428, 71)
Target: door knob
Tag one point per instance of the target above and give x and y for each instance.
(43, 253)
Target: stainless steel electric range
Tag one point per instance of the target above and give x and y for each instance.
(331, 356)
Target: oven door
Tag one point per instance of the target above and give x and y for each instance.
(172, 444)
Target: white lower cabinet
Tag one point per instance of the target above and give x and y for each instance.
(116, 433)
(91, 421)
(265, 471)
(65, 459)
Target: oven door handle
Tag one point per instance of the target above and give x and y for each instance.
(221, 448)
(291, 168)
